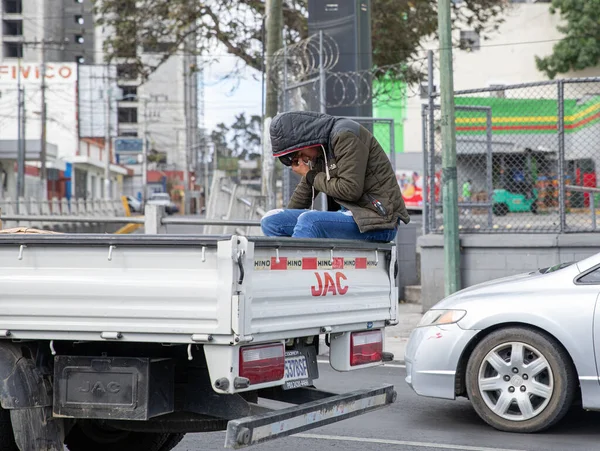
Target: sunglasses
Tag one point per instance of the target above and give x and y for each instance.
(288, 159)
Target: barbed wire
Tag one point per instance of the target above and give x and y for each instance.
(300, 63)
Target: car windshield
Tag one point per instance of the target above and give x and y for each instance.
(555, 267)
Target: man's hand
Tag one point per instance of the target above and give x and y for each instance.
(300, 167)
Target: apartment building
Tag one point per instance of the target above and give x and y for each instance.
(63, 28)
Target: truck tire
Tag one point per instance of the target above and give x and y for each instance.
(93, 436)
(172, 441)
(7, 439)
(520, 380)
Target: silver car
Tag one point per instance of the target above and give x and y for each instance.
(523, 349)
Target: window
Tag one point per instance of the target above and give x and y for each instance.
(13, 6)
(131, 133)
(127, 71)
(128, 115)
(13, 50)
(469, 40)
(129, 93)
(80, 59)
(12, 28)
(158, 47)
(591, 278)
(79, 19)
(79, 39)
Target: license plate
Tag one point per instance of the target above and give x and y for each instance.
(296, 371)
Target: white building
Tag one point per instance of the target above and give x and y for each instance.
(508, 57)
(164, 107)
(68, 109)
(66, 27)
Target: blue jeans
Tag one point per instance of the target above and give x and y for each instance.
(319, 224)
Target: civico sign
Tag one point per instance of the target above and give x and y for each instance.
(31, 72)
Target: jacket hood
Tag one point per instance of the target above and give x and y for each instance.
(295, 130)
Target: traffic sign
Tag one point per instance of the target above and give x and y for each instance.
(128, 145)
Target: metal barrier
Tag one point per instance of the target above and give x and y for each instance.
(75, 215)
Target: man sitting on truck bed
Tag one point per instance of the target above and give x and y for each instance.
(342, 159)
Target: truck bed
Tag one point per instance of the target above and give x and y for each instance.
(191, 289)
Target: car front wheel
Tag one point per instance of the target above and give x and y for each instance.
(520, 380)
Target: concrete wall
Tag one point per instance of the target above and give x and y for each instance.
(406, 247)
(487, 257)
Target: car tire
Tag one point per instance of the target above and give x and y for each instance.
(502, 392)
(94, 436)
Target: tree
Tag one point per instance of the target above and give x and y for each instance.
(399, 27)
(241, 140)
(580, 48)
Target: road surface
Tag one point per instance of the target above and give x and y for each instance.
(414, 423)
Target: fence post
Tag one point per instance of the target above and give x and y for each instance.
(592, 207)
(490, 162)
(561, 156)
(153, 215)
(430, 94)
(425, 171)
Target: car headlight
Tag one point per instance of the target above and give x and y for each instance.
(441, 317)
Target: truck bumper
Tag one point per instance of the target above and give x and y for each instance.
(329, 409)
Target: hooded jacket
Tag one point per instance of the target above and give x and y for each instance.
(355, 171)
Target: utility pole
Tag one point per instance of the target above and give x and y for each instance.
(43, 170)
(20, 137)
(145, 155)
(274, 36)
(449, 176)
(107, 139)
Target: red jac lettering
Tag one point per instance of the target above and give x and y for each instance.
(327, 284)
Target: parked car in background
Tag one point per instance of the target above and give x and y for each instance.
(165, 200)
(522, 349)
(135, 206)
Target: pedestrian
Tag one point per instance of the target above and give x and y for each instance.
(343, 160)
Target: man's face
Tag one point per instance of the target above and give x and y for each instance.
(308, 154)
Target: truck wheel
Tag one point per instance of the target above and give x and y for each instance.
(520, 380)
(172, 442)
(7, 439)
(93, 436)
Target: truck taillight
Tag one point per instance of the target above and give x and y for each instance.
(366, 347)
(262, 363)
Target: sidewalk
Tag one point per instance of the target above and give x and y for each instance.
(396, 336)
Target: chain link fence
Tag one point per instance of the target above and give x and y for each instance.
(527, 157)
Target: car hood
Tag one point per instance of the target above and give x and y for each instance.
(498, 289)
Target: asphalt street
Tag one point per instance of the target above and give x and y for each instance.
(414, 423)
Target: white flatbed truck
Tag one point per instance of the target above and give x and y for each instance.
(129, 342)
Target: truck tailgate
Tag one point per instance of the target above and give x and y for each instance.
(302, 284)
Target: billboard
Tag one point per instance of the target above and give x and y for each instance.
(93, 87)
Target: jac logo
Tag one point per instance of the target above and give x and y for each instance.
(99, 387)
(329, 284)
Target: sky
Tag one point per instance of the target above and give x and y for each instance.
(224, 98)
